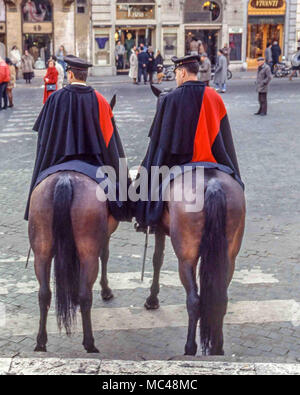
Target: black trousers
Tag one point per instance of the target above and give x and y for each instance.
(142, 72)
(3, 94)
(120, 63)
(263, 104)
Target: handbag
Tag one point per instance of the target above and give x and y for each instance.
(51, 87)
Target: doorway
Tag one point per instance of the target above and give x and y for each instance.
(39, 46)
(131, 37)
(209, 42)
(259, 35)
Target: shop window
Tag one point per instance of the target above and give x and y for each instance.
(2, 11)
(81, 6)
(102, 49)
(36, 11)
(170, 45)
(235, 45)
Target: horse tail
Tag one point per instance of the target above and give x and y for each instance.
(66, 263)
(214, 265)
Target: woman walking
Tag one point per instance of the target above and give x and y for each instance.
(27, 66)
(159, 63)
(134, 65)
(50, 79)
(12, 82)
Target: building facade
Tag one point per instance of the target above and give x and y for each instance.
(91, 28)
(42, 26)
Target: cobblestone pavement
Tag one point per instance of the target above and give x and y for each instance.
(263, 318)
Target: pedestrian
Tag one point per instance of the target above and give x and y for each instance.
(226, 52)
(119, 54)
(264, 77)
(15, 57)
(205, 69)
(159, 63)
(268, 55)
(151, 64)
(12, 82)
(220, 77)
(134, 65)
(60, 54)
(276, 52)
(294, 73)
(27, 66)
(194, 46)
(142, 70)
(50, 79)
(60, 70)
(4, 80)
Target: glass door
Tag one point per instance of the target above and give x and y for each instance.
(259, 35)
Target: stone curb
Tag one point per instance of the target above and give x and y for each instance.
(59, 366)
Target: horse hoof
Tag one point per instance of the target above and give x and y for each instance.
(92, 350)
(151, 305)
(40, 348)
(190, 350)
(107, 295)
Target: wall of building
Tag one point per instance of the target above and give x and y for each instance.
(298, 25)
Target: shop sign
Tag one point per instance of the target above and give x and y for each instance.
(267, 3)
(235, 30)
(267, 7)
(43, 28)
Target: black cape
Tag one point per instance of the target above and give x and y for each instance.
(191, 126)
(69, 129)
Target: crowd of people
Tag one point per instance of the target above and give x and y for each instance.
(144, 63)
(12, 66)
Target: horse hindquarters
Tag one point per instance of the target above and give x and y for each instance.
(213, 270)
(66, 263)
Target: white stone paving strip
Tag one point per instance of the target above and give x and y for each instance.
(169, 316)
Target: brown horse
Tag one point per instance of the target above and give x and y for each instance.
(214, 235)
(67, 222)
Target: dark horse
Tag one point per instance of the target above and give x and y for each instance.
(213, 235)
(69, 221)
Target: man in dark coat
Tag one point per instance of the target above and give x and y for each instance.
(143, 63)
(77, 131)
(191, 127)
(276, 52)
(263, 79)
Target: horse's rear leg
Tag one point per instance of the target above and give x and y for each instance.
(106, 292)
(42, 270)
(187, 272)
(152, 302)
(88, 275)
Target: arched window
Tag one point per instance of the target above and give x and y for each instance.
(202, 11)
(36, 11)
(214, 8)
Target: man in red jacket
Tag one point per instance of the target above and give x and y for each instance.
(4, 79)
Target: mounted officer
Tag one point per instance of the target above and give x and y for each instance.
(191, 126)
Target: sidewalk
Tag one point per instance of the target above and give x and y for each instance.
(58, 366)
(119, 79)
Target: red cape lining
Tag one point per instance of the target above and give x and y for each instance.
(212, 112)
(105, 118)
